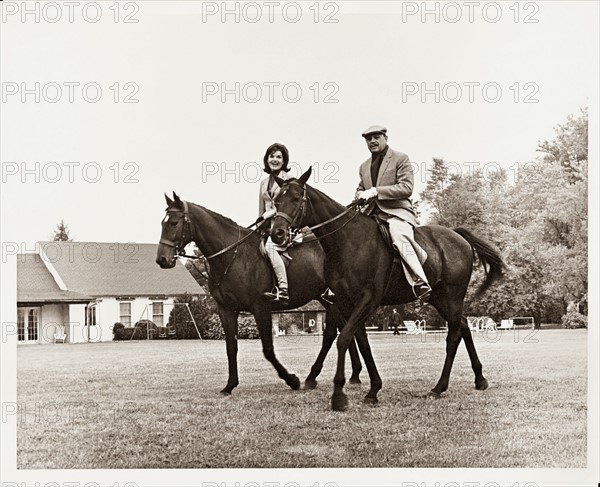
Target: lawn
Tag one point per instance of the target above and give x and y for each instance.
(157, 405)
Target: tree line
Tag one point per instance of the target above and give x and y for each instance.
(536, 216)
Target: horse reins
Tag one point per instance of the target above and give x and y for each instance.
(299, 215)
(180, 251)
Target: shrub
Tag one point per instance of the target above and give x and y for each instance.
(574, 319)
(130, 333)
(117, 330)
(214, 330)
(138, 332)
(247, 328)
(120, 332)
(181, 321)
(146, 327)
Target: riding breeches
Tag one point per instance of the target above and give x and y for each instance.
(272, 251)
(413, 255)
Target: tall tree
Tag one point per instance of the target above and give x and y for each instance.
(61, 233)
(570, 145)
(439, 179)
(539, 222)
(456, 200)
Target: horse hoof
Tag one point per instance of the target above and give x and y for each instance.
(481, 385)
(309, 385)
(355, 380)
(339, 402)
(294, 382)
(434, 395)
(370, 400)
(225, 393)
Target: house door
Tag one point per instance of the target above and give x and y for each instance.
(27, 325)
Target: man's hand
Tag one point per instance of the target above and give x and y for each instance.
(368, 194)
(269, 214)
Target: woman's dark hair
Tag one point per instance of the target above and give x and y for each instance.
(284, 152)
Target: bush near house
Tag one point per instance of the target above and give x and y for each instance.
(180, 320)
(214, 330)
(246, 328)
(141, 331)
(121, 332)
(146, 327)
(118, 330)
(204, 311)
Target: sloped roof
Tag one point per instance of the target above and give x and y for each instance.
(35, 284)
(116, 269)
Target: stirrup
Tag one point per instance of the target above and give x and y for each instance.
(278, 295)
(422, 292)
(328, 296)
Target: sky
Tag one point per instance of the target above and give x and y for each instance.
(187, 99)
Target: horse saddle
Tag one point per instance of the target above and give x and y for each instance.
(384, 229)
(265, 254)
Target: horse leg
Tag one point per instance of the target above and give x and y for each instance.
(328, 338)
(365, 350)
(363, 308)
(452, 342)
(230, 325)
(481, 382)
(354, 357)
(333, 321)
(355, 361)
(264, 324)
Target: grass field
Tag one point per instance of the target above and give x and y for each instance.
(157, 405)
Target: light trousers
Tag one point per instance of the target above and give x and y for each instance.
(274, 256)
(412, 253)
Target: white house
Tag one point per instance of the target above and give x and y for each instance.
(78, 290)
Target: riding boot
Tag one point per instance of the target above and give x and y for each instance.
(280, 293)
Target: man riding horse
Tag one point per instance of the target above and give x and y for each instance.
(386, 182)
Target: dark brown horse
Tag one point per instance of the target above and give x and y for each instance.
(239, 276)
(360, 269)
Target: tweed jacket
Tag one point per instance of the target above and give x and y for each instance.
(266, 200)
(394, 186)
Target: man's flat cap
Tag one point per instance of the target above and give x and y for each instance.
(375, 129)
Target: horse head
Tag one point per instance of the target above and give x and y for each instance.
(176, 233)
(291, 203)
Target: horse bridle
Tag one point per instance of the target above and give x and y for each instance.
(301, 211)
(179, 247)
(295, 222)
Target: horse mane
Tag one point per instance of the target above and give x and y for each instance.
(329, 199)
(217, 216)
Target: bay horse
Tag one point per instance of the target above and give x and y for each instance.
(361, 271)
(238, 277)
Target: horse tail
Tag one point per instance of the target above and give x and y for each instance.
(488, 257)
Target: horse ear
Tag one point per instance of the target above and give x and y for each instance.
(305, 176)
(169, 200)
(177, 201)
(280, 182)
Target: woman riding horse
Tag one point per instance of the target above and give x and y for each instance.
(275, 160)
